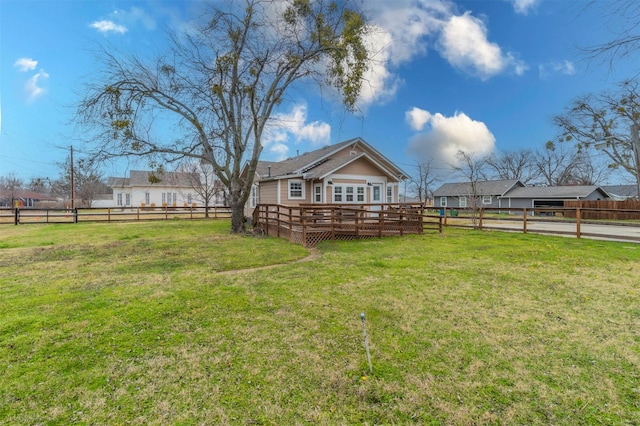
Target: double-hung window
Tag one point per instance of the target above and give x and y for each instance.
(443, 201)
(296, 189)
(463, 202)
(389, 194)
(486, 199)
(337, 194)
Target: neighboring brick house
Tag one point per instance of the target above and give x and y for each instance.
(350, 172)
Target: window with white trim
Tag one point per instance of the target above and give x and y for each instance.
(389, 194)
(254, 196)
(486, 199)
(337, 194)
(463, 201)
(120, 198)
(146, 198)
(296, 189)
(127, 198)
(349, 193)
(443, 201)
(317, 193)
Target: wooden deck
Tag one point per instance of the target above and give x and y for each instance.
(310, 224)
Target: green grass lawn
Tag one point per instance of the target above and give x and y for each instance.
(177, 323)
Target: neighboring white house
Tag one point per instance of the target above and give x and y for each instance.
(149, 189)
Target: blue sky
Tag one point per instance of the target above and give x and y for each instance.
(479, 76)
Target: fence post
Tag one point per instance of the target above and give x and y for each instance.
(16, 216)
(577, 222)
(524, 220)
(75, 215)
(480, 219)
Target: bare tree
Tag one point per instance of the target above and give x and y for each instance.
(556, 164)
(512, 165)
(622, 17)
(219, 85)
(609, 122)
(11, 185)
(471, 167)
(88, 181)
(204, 182)
(422, 181)
(38, 184)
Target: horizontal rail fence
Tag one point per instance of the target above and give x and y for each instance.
(310, 224)
(23, 216)
(604, 223)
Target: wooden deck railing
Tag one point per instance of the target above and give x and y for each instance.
(312, 223)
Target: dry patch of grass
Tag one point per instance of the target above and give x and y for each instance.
(134, 324)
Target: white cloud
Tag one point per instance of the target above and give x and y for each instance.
(293, 126)
(26, 64)
(105, 27)
(33, 85)
(417, 118)
(463, 42)
(405, 29)
(523, 7)
(561, 67)
(133, 16)
(446, 136)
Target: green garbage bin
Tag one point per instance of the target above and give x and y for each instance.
(454, 213)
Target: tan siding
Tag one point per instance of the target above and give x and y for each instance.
(268, 192)
(361, 167)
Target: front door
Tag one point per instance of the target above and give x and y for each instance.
(376, 197)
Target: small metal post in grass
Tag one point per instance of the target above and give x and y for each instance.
(366, 342)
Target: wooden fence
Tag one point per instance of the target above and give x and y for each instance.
(605, 209)
(577, 221)
(310, 224)
(16, 216)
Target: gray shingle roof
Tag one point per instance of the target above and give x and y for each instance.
(489, 187)
(314, 164)
(562, 192)
(141, 178)
(621, 190)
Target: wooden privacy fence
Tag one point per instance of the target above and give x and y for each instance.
(18, 216)
(605, 209)
(310, 224)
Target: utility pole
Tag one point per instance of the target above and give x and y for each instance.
(72, 182)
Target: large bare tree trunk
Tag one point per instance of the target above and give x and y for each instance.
(237, 213)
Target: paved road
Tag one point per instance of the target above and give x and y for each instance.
(587, 230)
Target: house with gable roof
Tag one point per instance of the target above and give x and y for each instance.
(512, 193)
(148, 189)
(486, 194)
(349, 172)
